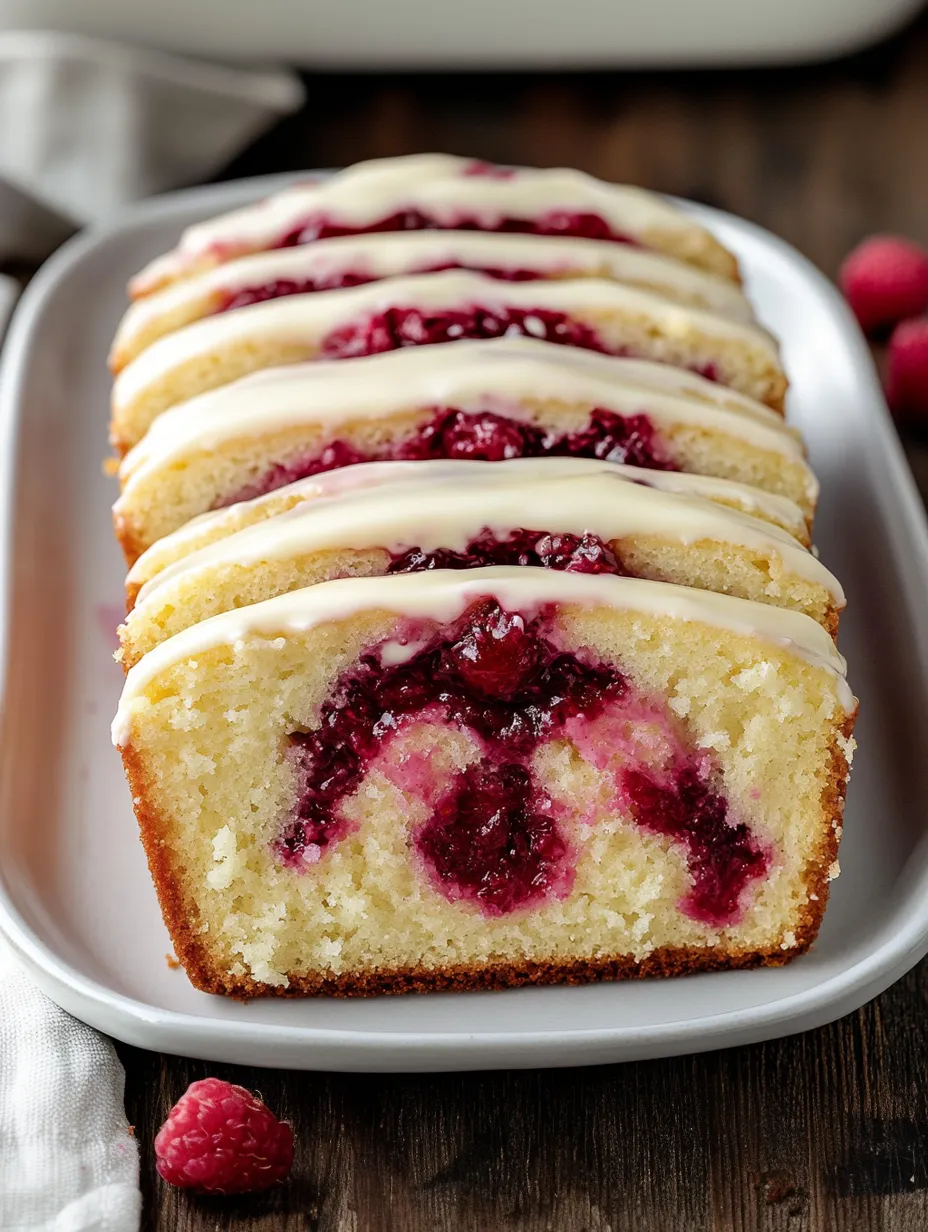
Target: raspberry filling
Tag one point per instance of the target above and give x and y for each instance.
(403, 327)
(487, 437)
(493, 835)
(570, 553)
(481, 436)
(573, 223)
(339, 279)
(721, 857)
(332, 458)
(490, 171)
(491, 839)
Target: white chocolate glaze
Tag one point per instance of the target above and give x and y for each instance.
(437, 185)
(382, 255)
(443, 595)
(427, 511)
(500, 374)
(778, 509)
(310, 319)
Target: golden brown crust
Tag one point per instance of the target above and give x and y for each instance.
(181, 924)
(776, 399)
(128, 538)
(191, 267)
(661, 963)
(205, 975)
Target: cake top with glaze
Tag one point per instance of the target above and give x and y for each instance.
(497, 375)
(778, 510)
(427, 509)
(449, 188)
(443, 595)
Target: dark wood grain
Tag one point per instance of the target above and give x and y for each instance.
(828, 1130)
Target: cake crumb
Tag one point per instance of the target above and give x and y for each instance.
(174, 966)
(847, 745)
(718, 740)
(753, 678)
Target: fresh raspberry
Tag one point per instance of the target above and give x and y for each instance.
(885, 280)
(907, 372)
(221, 1139)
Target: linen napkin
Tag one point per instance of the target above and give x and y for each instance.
(67, 1160)
(87, 126)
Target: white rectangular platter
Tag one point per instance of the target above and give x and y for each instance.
(75, 898)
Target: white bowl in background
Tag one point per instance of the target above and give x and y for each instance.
(482, 34)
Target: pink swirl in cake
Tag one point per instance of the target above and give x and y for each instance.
(493, 835)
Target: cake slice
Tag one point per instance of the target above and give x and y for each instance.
(441, 191)
(421, 309)
(212, 527)
(486, 778)
(491, 514)
(475, 401)
(328, 265)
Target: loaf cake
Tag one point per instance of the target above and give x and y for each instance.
(345, 261)
(440, 191)
(433, 309)
(209, 528)
(485, 778)
(504, 513)
(474, 665)
(491, 400)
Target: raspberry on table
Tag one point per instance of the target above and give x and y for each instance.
(221, 1139)
(907, 371)
(885, 280)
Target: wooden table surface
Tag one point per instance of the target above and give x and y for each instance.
(827, 1130)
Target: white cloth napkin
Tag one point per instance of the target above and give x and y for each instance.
(89, 125)
(86, 127)
(67, 1160)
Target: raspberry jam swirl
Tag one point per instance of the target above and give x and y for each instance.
(402, 327)
(338, 280)
(566, 223)
(481, 437)
(494, 837)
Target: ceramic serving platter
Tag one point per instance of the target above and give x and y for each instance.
(75, 898)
